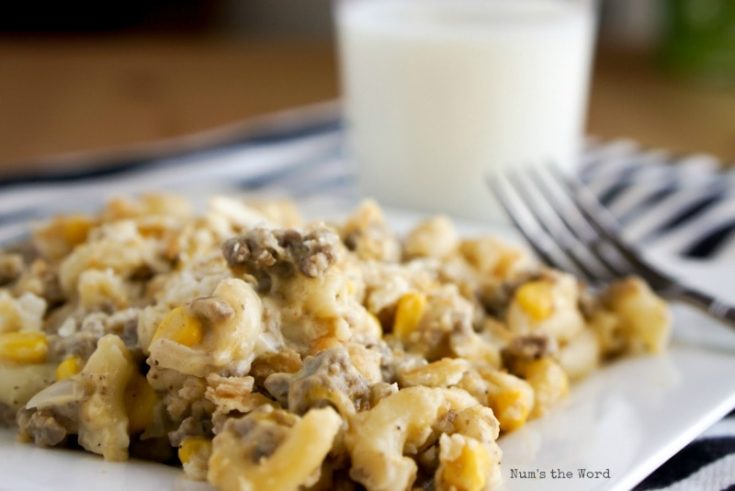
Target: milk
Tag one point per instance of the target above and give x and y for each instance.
(439, 92)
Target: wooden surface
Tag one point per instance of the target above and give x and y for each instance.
(62, 95)
(630, 97)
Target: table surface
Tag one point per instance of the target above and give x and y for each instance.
(61, 95)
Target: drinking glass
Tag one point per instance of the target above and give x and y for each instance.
(437, 93)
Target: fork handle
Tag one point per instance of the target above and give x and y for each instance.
(703, 301)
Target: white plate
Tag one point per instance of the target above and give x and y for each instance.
(624, 421)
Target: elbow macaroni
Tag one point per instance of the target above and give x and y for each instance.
(103, 420)
(401, 424)
(234, 466)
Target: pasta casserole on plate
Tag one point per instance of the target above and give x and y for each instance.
(262, 352)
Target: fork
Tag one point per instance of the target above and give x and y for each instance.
(569, 229)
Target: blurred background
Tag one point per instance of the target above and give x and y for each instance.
(82, 75)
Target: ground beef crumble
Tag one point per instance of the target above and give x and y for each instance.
(261, 431)
(11, 267)
(527, 348)
(265, 252)
(329, 377)
(81, 344)
(7, 415)
(190, 427)
(48, 427)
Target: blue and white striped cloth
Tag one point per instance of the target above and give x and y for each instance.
(682, 205)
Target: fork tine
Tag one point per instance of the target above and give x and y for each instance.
(505, 202)
(549, 220)
(540, 242)
(573, 220)
(606, 224)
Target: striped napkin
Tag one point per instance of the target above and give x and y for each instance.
(682, 205)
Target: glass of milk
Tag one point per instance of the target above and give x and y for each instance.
(438, 93)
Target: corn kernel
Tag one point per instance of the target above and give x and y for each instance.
(193, 445)
(69, 367)
(180, 326)
(468, 472)
(512, 412)
(409, 311)
(511, 399)
(74, 228)
(550, 384)
(140, 402)
(23, 347)
(536, 299)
